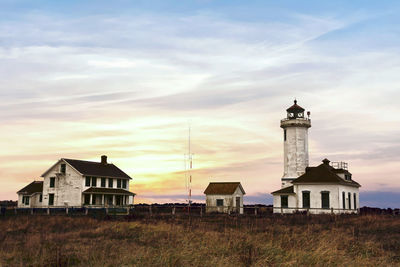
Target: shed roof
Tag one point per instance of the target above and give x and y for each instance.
(34, 187)
(223, 188)
(118, 191)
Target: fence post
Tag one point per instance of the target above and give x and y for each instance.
(15, 210)
(107, 211)
(66, 210)
(86, 211)
(48, 211)
(31, 211)
(331, 210)
(173, 210)
(255, 211)
(127, 211)
(150, 211)
(201, 211)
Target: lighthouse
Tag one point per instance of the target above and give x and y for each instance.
(295, 143)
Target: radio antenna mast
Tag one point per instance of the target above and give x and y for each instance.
(188, 170)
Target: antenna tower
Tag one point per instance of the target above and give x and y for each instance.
(188, 171)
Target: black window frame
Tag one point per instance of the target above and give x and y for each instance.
(306, 193)
(94, 199)
(325, 193)
(284, 201)
(87, 180)
(86, 199)
(284, 135)
(110, 182)
(103, 182)
(349, 196)
(52, 182)
(63, 168)
(344, 200)
(94, 181)
(220, 202)
(119, 183)
(124, 183)
(355, 200)
(27, 200)
(40, 198)
(51, 199)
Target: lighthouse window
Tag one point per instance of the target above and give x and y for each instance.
(284, 135)
(306, 199)
(284, 201)
(325, 199)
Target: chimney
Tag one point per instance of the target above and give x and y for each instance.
(104, 160)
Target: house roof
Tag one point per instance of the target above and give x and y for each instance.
(117, 191)
(223, 188)
(30, 189)
(325, 174)
(91, 168)
(285, 190)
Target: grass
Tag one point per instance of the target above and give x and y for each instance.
(295, 240)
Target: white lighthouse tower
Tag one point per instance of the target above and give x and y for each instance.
(295, 139)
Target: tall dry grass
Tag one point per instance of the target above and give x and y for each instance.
(208, 241)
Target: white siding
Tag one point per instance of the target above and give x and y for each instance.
(229, 202)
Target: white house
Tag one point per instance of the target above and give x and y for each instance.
(224, 197)
(327, 188)
(77, 183)
(31, 195)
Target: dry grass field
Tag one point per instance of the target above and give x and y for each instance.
(297, 240)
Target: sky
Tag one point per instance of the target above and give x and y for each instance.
(79, 79)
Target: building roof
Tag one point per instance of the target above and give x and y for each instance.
(223, 188)
(285, 190)
(30, 189)
(325, 174)
(295, 107)
(91, 168)
(99, 190)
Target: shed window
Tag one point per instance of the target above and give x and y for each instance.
(94, 181)
(52, 181)
(124, 184)
(51, 199)
(40, 198)
(118, 183)
(306, 199)
(103, 182)
(87, 182)
(284, 201)
(62, 168)
(25, 200)
(220, 202)
(110, 182)
(325, 200)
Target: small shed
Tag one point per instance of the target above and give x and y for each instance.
(224, 197)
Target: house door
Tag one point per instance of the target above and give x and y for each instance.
(238, 204)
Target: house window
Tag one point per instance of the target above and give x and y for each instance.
(284, 134)
(110, 182)
(344, 199)
(40, 198)
(284, 201)
(355, 200)
(51, 199)
(26, 200)
(52, 182)
(306, 199)
(349, 200)
(87, 199)
(124, 184)
(93, 199)
(220, 202)
(62, 168)
(103, 182)
(325, 199)
(87, 182)
(118, 200)
(118, 183)
(94, 181)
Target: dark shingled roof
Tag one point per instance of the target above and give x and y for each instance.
(286, 190)
(223, 188)
(91, 168)
(34, 187)
(324, 173)
(97, 190)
